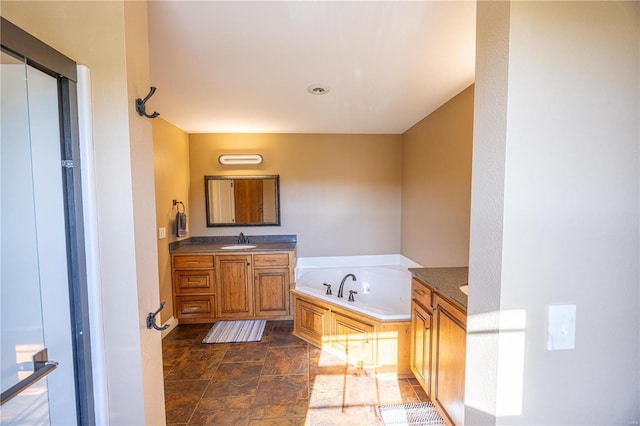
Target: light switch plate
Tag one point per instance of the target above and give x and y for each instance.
(162, 233)
(561, 327)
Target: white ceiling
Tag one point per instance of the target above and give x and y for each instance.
(244, 67)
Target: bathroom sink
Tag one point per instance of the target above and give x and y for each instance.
(465, 289)
(238, 247)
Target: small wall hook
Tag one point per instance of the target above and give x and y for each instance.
(141, 107)
(151, 319)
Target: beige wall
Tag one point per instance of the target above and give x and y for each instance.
(555, 209)
(171, 165)
(144, 218)
(436, 184)
(103, 36)
(339, 193)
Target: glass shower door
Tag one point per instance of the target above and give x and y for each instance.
(34, 283)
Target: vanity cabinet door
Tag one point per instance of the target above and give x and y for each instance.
(421, 325)
(272, 291)
(420, 356)
(234, 293)
(449, 353)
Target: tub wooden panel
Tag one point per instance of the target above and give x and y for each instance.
(357, 338)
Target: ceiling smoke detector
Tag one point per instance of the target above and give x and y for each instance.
(318, 89)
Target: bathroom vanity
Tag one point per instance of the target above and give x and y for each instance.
(215, 278)
(438, 337)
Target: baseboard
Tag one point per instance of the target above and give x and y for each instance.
(172, 322)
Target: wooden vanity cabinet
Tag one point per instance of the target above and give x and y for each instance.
(193, 288)
(232, 285)
(449, 356)
(271, 284)
(234, 289)
(438, 349)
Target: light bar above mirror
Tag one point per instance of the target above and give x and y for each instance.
(235, 159)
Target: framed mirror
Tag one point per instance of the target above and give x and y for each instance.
(242, 200)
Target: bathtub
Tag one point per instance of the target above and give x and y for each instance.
(384, 290)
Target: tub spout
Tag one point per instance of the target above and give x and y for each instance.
(341, 289)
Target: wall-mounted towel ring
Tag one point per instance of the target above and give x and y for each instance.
(181, 220)
(176, 202)
(141, 107)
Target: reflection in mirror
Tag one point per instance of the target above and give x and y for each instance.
(242, 200)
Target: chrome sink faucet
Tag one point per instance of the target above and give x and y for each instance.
(242, 239)
(340, 290)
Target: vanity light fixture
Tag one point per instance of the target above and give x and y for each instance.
(235, 159)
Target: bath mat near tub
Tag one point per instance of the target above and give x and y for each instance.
(412, 414)
(235, 331)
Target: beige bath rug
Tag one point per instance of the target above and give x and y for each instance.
(235, 331)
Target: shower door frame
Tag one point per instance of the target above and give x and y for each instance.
(20, 44)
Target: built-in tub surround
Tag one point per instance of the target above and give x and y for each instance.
(373, 330)
(383, 292)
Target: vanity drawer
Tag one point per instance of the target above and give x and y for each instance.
(195, 307)
(265, 260)
(192, 261)
(420, 293)
(199, 281)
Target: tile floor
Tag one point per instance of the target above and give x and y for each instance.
(280, 380)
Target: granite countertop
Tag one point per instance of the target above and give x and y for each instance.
(446, 281)
(216, 244)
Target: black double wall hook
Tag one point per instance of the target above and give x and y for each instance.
(151, 319)
(141, 108)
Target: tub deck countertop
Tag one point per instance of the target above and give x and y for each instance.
(446, 281)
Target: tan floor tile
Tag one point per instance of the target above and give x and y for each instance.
(234, 379)
(331, 416)
(281, 396)
(181, 398)
(334, 399)
(281, 421)
(246, 352)
(197, 345)
(282, 336)
(222, 411)
(194, 365)
(286, 360)
(189, 331)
